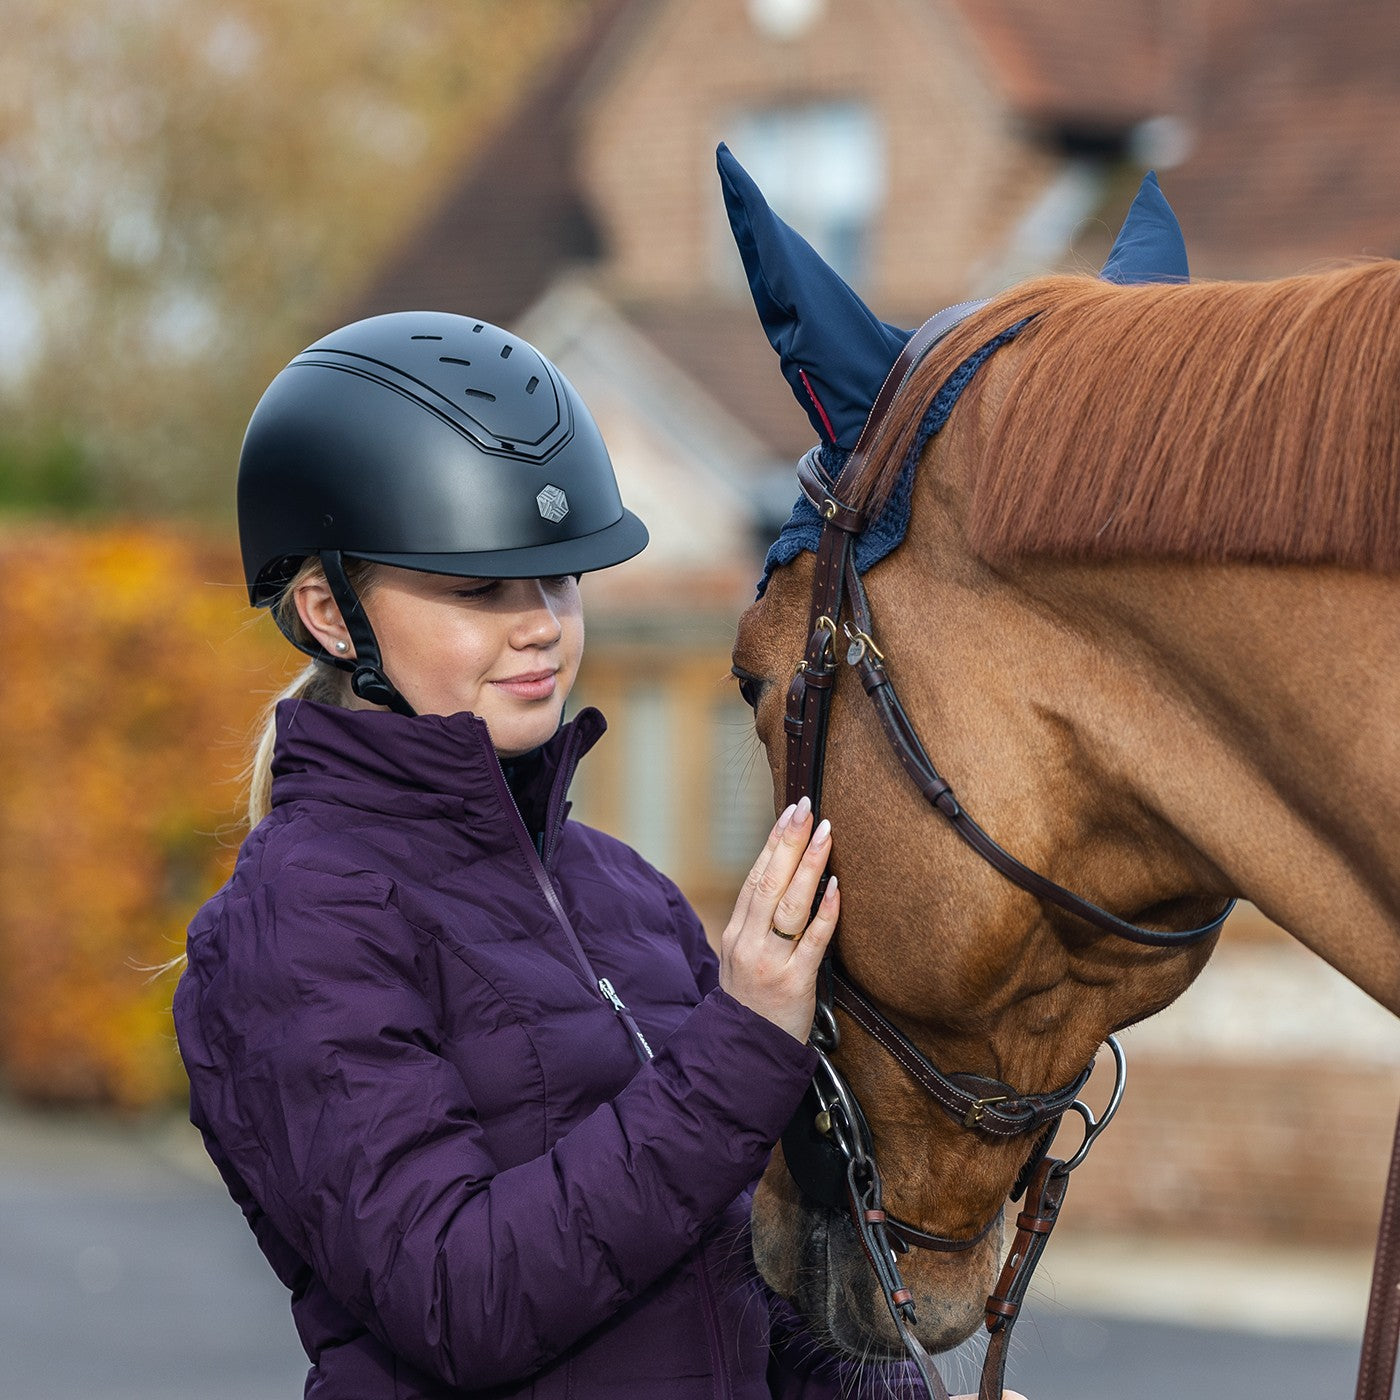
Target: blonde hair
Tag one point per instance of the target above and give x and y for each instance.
(319, 681)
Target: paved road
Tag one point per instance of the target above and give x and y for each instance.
(127, 1274)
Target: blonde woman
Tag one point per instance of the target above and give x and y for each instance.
(488, 1100)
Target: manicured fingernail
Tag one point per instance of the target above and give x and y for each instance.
(787, 816)
(804, 808)
(820, 835)
(830, 896)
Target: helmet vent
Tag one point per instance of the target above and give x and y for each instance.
(452, 360)
(476, 329)
(480, 394)
(425, 337)
(533, 384)
(505, 352)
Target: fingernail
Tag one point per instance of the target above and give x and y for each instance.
(804, 809)
(830, 896)
(821, 833)
(787, 816)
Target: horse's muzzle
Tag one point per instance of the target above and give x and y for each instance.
(812, 1255)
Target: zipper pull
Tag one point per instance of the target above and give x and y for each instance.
(625, 1016)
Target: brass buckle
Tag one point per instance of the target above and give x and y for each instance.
(826, 625)
(978, 1111)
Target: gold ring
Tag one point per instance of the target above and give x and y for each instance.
(786, 937)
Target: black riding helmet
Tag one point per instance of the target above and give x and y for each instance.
(428, 441)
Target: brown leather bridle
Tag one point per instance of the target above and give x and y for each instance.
(828, 1147)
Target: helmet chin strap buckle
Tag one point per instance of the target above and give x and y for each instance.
(371, 684)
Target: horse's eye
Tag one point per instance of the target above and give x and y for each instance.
(749, 687)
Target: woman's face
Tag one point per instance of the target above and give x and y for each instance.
(508, 650)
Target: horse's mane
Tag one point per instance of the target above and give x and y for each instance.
(1223, 421)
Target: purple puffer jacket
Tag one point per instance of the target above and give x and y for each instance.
(441, 1131)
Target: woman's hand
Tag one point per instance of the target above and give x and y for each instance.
(769, 953)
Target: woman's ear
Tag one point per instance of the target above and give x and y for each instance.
(321, 616)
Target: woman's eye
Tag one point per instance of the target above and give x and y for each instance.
(481, 590)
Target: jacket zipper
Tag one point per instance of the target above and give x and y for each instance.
(624, 1015)
(542, 879)
(723, 1389)
(556, 807)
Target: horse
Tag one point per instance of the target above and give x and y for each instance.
(1143, 611)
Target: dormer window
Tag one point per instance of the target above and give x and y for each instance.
(821, 165)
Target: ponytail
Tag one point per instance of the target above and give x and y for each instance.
(317, 682)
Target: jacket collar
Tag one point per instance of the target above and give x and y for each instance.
(424, 765)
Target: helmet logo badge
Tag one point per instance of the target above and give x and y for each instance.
(553, 504)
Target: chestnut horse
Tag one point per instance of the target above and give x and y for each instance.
(1146, 621)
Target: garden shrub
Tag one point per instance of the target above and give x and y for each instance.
(131, 679)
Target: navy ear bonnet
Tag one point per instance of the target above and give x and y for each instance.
(1149, 246)
(835, 352)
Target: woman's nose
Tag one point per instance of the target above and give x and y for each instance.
(538, 624)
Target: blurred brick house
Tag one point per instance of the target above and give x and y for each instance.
(932, 150)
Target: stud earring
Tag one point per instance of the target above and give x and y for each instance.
(342, 646)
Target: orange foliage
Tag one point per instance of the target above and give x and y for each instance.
(132, 677)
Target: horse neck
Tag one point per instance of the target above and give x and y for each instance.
(1255, 708)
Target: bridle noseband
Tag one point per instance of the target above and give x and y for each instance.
(828, 1147)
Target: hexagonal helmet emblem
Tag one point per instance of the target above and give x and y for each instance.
(553, 504)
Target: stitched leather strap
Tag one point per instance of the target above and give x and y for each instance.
(868, 1215)
(899, 731)
(1044, 1197)
(988, 1105)
(919, 344)
(1382, 1335)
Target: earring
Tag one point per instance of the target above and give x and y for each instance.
(342, 646)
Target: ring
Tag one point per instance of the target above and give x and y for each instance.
(786, 937)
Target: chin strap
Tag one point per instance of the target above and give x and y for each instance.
(367, 678)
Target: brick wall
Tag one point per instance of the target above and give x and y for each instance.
(956, 168)
(1290, 1153)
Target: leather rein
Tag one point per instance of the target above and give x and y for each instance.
(829, 1147)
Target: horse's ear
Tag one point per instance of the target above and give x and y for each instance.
(835, 351)
(1149, 246)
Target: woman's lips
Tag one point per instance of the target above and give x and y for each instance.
(533, 685)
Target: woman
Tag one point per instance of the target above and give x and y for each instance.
(486, 1097)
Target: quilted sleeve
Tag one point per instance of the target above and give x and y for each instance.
(691, 933)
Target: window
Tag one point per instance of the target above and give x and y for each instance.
(682, 776)
(822, 168)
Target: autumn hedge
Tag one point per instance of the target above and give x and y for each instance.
(131, 678)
